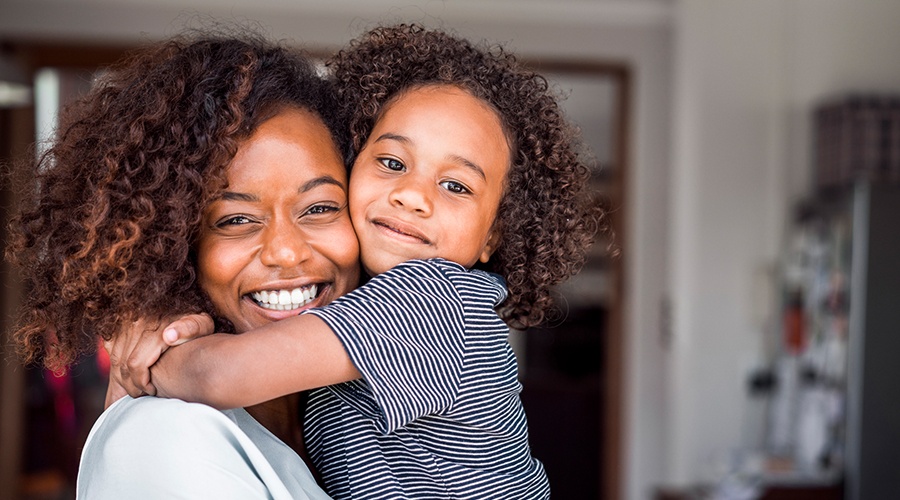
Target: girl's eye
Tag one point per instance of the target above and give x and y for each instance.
(392, 164)
(455, 187)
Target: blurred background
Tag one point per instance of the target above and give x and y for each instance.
(742, 346)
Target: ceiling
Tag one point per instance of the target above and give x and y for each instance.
(318, 22)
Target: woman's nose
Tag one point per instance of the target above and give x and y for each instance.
(284, 246)
(412, 195)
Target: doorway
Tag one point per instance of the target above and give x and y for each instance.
(571, 368)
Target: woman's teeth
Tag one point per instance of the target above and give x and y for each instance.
(285, 300)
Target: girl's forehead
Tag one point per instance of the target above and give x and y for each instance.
(451, 88)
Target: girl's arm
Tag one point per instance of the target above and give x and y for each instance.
(139, 344)
(229, 371)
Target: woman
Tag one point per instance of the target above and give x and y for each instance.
(198, 176)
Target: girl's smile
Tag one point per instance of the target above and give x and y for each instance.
(398, 229)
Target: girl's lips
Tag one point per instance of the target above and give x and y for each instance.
(399, 228)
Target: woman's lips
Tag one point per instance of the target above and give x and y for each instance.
(284, 299)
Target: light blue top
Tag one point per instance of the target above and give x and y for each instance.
(152, 448)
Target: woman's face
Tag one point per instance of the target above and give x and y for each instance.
(279, 240)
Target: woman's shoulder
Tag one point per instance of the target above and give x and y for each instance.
(150, 408)
(162, 445)
(150, 429)
(158, 420)
(162, 448)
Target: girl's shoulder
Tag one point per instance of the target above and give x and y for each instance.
(467, 282)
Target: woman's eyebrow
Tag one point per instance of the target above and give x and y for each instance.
(309, 185)
(233, 196)
(318, 181)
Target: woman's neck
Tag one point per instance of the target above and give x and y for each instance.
(282, 418)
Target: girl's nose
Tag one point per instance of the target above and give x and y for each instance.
(412, 195)
(284, 246)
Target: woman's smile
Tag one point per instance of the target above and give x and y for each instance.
(285, 300)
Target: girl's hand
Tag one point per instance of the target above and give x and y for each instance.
(138, 346)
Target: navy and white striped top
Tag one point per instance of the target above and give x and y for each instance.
(437, 413)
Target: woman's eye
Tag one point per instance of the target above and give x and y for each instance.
(236, 220)
(392, 164)
(454, 187)
(321, 209)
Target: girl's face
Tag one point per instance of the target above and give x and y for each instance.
(429, 179)
(279, 240)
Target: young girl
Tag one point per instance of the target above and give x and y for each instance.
(470, 203)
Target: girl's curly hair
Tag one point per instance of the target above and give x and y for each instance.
(547, 217)
(107, 227)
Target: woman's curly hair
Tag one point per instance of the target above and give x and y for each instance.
(106, 231)
(547, 217)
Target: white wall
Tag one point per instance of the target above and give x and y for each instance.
(726, 202)
(747, 74)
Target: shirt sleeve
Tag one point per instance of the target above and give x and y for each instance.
(404, 330)
(154, 448)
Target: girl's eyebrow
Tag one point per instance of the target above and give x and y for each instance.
(307, 186)
(394, 137)
(465, 162)
(454, 158)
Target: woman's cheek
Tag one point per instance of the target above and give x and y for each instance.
(342, 248)
(219, 266)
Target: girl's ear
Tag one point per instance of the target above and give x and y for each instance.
(492, 243)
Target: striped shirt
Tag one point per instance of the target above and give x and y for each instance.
(437, 412)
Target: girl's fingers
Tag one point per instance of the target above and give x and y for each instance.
(187, 328)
